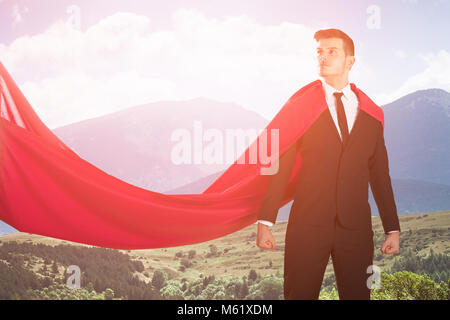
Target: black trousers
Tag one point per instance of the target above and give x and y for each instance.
(307, 252)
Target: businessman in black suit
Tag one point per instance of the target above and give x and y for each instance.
(342, 152)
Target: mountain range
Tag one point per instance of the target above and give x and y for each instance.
(136, 145)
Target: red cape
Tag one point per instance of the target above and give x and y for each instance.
(47, 189)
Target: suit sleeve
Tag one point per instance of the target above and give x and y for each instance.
(274, 194)
(381, 186)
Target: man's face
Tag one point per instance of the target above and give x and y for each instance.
(331, 58)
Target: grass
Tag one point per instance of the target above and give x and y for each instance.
(238, 253)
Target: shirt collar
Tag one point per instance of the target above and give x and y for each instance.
(329, 90)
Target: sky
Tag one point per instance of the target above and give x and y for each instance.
(76, 60)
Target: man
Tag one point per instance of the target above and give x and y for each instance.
(342, 152)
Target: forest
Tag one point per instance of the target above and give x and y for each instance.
(38, 271)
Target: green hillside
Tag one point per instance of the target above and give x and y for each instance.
(232, 266)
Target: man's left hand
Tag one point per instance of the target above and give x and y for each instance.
(391, 243)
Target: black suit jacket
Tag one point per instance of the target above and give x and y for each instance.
(334, 181)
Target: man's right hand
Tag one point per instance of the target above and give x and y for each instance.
(264, 237)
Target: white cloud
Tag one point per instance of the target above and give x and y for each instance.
(69, 75)
(435, 75)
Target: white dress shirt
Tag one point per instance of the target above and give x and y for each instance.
(350, 102)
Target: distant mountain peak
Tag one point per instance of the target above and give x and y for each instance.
(432, 96)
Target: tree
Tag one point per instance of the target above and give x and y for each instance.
(331, 294)
(109, 294)
(244, 290)
(172, 292)
(90, 287)
(54, 267)
(207, 280)
(186, 263)
(213, 251)
(159, 279)
(406, 285)
(271, 288)
(252, 275)
(212, 291)
(191, 254)
(139, 266)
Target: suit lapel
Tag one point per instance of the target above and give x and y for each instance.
(336, 132)
(355, 127)
(355, 124)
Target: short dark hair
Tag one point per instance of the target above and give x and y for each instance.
(349, 47)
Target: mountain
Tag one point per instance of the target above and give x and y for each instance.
(135, 144)
(6, 228)
(417, 134)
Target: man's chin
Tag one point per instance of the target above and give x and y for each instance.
(323, 73)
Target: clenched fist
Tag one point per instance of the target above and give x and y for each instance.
(264, 237)
(391, 243)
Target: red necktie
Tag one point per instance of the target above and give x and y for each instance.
(342, 120)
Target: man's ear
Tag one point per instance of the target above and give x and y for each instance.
(350, 62)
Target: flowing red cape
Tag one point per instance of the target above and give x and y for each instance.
(47, 189)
